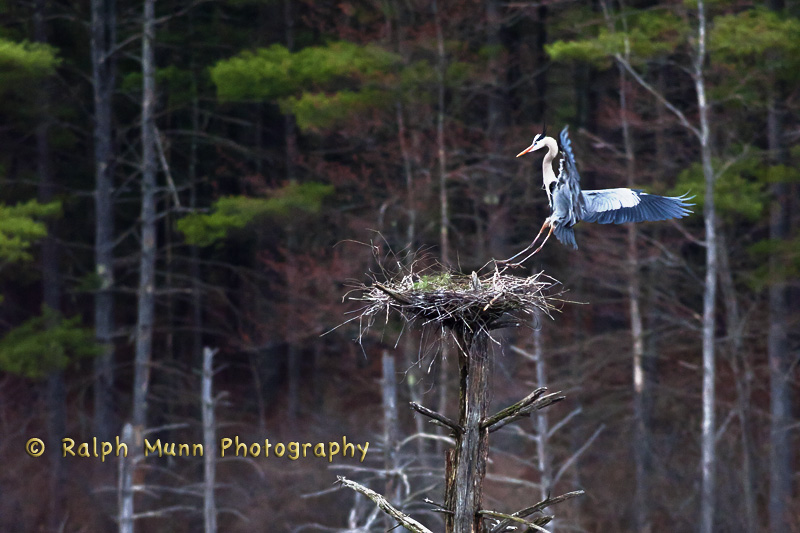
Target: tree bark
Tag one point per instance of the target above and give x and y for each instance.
(125, 482)
(542, 425)
(778, 349)
(466, 466)
(147, 262)
(496, 127)
(744, 377)
(641, 436)
(391, 432)
(209, 443)
(194, 268)
(708, 452)
(103, 31)
(51, 284)
(441, 65)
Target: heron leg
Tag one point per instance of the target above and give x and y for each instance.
(531, 245)
(536, 251)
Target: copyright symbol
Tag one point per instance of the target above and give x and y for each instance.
(34, 447)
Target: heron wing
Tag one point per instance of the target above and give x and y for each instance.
(569, 180)
(617, 206)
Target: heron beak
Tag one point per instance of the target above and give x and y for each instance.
(525, 151)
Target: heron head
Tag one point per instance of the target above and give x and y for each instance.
(535, 145)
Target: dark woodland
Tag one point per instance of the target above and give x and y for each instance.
(195, 198)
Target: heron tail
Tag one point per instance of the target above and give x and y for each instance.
(566, 236)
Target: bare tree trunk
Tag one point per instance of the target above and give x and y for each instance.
(744, 378)
(103, 30)
(194, 269)
(51, 285)
(125, 482)
(293, 373)
(466, 464)
(209, 442)
(290, 134)
(414, 384)
(703, 134)
(390, 433)
(542, 425)
(778, 350)
(147, 263)
(540, 81)
(708, 453)
(293, 376)
(496, 113)
(288, 119)
(641, 436)
(441, 65)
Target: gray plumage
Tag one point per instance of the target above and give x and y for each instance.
(570, 205)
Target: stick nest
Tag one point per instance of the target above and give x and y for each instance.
(451, 299)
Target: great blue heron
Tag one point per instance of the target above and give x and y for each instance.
(570, 205)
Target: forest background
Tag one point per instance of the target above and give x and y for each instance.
(175, 176)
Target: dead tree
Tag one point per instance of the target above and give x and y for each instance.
(468, 308)
(209, 442)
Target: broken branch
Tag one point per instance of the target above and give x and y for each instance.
(532, 402)
(437, 417)
(535, 524)
(384, 505)
(533, 509)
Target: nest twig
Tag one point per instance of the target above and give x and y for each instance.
(451, 299)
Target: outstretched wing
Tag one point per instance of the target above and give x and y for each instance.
(568, 170)
(617, 206)
(569, 181)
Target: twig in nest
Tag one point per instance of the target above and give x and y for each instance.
(451, 299)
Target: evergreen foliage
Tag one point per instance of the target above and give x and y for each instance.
(23, 63)
(757, 38)
(275, 73)
(236, 212)
(649, 34)
(45, 343)
(21, 226)
(740, 192)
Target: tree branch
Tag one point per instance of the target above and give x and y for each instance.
(536, 524)
(660, 97)
(403, 519)
(511, 409)
(533, 402)
(574, 457)
(437, 417)
(533, 509)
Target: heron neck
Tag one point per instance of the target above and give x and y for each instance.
(548, 174)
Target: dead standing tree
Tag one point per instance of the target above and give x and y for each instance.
(468, 308)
